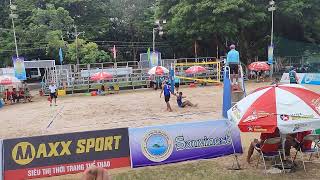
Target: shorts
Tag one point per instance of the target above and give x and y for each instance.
(166, 98)
(293, 83)
(234, 68)
(176, 85)
(53, 95)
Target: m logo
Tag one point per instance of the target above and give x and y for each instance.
(23, 153)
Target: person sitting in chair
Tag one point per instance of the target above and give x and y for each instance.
(257, 144)
(233, 61)
(185, 103)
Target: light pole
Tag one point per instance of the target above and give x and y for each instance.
(272, 8)
(76, 34)
(14, 16)
(154, 30)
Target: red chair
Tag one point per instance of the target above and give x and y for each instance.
(309, 150)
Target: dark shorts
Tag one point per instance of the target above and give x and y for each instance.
(166, 98)
(53, 95)
(234, 68)
(176, 85)
(293, 83)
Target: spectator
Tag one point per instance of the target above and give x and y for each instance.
(14, 95)
(258, 143)
(53, 93)
(28, 96)
(293, 76)
(21, 95)
(7, 96)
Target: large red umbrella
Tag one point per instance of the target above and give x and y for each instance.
(101, 76)
(8, 80)
(259, 66)
(292, 108)
(196, 70)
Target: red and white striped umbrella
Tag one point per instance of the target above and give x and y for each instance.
(292, 108)
(259, 66)
(158, 70)
(101, 76)
(196, 70)
(8, 80)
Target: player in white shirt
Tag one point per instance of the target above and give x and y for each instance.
(53, 93)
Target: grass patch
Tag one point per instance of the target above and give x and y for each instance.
(207, 170)
(203, 170)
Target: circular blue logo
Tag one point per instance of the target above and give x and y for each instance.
(157, 146)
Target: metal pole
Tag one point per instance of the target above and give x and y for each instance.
(153, 40)
(271, 43)
(14, 31)
(271, 39)
(76, 33)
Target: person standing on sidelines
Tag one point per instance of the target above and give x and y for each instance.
(166, 93)
(53, 93)
(293, 76)
(233, 61)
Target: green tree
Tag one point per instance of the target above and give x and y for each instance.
(87, 53)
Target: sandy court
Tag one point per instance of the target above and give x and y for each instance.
(127, 109)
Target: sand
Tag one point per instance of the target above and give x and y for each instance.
(126, 109)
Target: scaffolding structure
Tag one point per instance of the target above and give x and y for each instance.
(126, 75)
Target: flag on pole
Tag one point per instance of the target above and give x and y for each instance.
(60, 56)
(148, 53)
(114, 52)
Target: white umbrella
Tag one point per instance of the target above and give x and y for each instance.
(292, 108)
(158, 70)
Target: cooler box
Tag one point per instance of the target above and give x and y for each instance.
(62, 92)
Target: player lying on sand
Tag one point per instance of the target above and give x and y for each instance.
(185, 103)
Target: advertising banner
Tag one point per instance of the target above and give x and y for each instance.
(180, 142)
(53, 155)
(19, 68)
(303, 78)
(270, 55)
(155, 58)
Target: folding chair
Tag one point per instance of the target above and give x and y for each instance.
(315, 139)
(270, 149)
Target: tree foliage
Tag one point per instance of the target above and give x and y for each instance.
(43, 25)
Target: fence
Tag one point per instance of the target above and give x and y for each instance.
(304, 64)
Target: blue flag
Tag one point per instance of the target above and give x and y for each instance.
(60, 56)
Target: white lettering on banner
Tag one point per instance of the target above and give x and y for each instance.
(46, 171)
(59, 169)
(182, 144)
(34, 172)
(77, 167)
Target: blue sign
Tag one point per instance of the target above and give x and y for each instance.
(181, 142)
(311, 78)
(19, 68)
(270, 54)
(303, 78)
